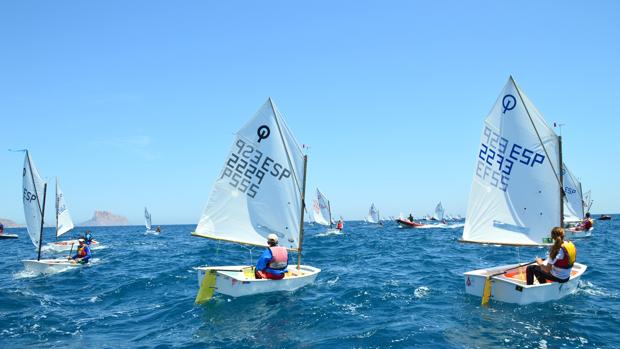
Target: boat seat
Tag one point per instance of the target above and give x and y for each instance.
(520, 275)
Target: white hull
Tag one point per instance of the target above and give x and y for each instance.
(511, 287)
(49, 266)
(571, 234)
(65, 245)
(8, 236)
(239, 281)
(151, 232)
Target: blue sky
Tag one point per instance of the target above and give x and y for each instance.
(135, 103)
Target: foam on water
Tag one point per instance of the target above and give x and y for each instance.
(404, 289)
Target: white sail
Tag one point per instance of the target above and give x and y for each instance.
(259, 190)
(321, 209)
(573, 199)
(147, 219)
(587, 201)
(439, 211)
(33, 197)
(373, 214)
(515, 192)
(63, 218)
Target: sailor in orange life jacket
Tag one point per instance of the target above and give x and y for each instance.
(558, 265)
(273, 262)
(340, 224)
(82, 255)
(586, 224)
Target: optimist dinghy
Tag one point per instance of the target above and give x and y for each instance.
(516, 198)
(322, 212)
(260, 191)
(64, 224)
(34, 211)
(147, 223)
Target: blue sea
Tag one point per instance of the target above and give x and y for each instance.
(379, 288)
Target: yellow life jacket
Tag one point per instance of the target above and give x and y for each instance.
(570, 255)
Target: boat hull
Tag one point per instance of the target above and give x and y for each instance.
(8, 236)
(151, 232)
(570, 234)
(49, 266)
(407, 224)
(511, 286)
(239, 281)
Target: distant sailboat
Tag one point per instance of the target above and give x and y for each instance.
(439, 212)
(260, 191)
(322, 211)
(147, 223)
(516, 198)
(373, 215)
(64, 224)
(34, 195)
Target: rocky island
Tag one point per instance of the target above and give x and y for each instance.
(105, 218)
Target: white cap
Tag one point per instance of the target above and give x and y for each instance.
(272, 237)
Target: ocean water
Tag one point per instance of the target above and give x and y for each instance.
(379, 288)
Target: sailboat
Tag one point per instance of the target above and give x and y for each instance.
(516, 198)
(34, 195)
(322, 211)
(260, 191)
(64, 224)
(147, 223)
(439, 212)
(573, 207)
(373, 215)
(587, 201)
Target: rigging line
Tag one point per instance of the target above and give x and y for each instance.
(538, 135)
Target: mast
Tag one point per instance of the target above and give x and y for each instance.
(42, 219)
(57, 203)
(329, 207)
(562, 195)
(303, 206)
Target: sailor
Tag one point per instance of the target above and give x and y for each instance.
(586, 224)
(158, 229)
(410, 218)
(273, 262)
(340, 224)
(1, 229)
(88, 237)
(558, 265)
(82, 255)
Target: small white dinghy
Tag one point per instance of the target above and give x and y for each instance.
(510, 285)
(260, 191)
(238, 281)
(34, 211)
(572, 234)
(516, 198)
(49, 266)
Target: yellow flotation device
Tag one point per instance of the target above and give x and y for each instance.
(570, 249)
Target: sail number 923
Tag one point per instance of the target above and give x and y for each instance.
(247, 167)
(496, 158)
